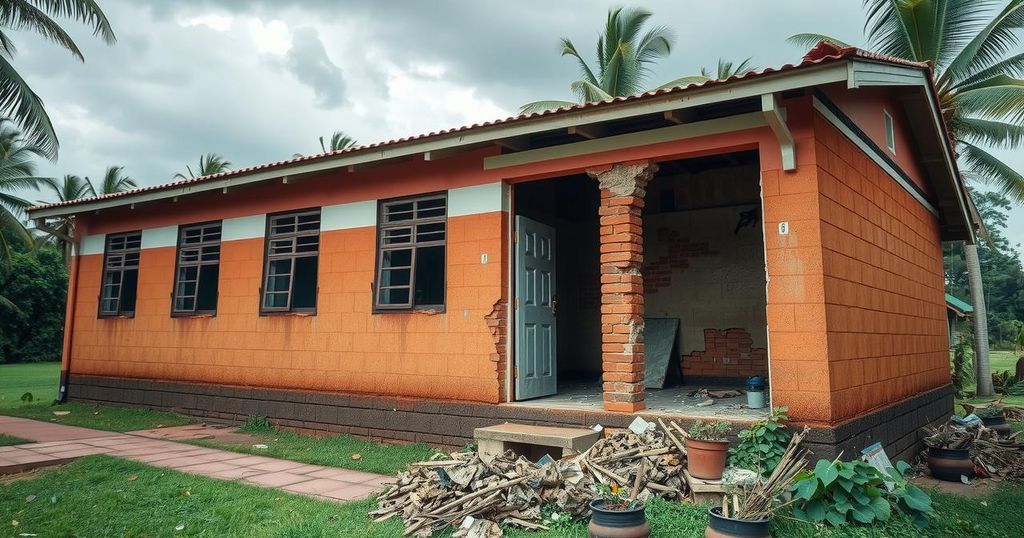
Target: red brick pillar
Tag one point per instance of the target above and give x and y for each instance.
(622, 284)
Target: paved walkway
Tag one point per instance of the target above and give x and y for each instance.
(59, 444)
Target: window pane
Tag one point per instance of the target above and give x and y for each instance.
(184, 304)
(128, 290)
(394, 296)
(304, 290)
(430, 208)
(307, 243)
(429, 276)
(109, 306)
(207, 298)
(278, 283)
(430, 232)
(112, 278)
(276, 300)
(400, 211)
(397, 236)
(395, 277)
(397, 258)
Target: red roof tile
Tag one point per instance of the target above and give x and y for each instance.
(823, 52)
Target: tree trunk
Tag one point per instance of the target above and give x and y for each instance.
(984, 368)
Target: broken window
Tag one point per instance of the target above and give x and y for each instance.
(411, 233)
(120, 274)
(196, 277)
(290, 269)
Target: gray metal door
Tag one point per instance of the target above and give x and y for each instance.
(535, 310)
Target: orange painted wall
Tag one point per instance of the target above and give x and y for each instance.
(797, 335)
(344, 347)
(883, 275)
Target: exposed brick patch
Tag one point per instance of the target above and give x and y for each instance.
(496, 324)
(658, 272)
(622, 282)
(727, 353)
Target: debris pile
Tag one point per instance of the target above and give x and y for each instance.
(995, 455)
(511, 489)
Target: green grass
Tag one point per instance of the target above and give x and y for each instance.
(9, 440)
(334, 451)
(41, 379)
(1004, 360)
(97, 496)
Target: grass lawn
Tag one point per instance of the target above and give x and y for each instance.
(103, 496)
(335, 451)
(41, 380)
(1003, 360)
(8, 440)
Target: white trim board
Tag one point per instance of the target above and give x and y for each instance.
(346, 216)
(164, 236)
(876, 157)
(477, 199)
(249, 227)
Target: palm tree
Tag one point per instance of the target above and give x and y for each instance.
(339, 141)
(975, 52)
(727, 69)
(209, 164)
(114, 180)
(70, 188)
(17, 171)
(624, 55)
(17, 100)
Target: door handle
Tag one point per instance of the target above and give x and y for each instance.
(554, 305)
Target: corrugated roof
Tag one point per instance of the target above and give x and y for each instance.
(956, 304)
(822, 53)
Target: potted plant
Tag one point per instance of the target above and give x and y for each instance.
(949, 454)
(707, 449)
(749, 512)
(994, 419)
(616, 512)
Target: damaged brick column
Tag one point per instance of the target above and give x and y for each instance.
(622, 283)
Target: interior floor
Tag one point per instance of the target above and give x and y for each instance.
(667, 401)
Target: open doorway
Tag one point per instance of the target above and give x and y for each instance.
(703, 267)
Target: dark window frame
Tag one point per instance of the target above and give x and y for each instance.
(414, 245)
(125, 251)
(268, 238)
(178, 264)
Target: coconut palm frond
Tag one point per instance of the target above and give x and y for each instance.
(989, 132)
(989, 46)
(114, 180)
(543, 106)
(568, 49)
(85, 11)
(684, 81)
(339, 141)
(993, 171)
(21, 104)
(209, 164)
(807, 40)
(999, 97)
(21, 15)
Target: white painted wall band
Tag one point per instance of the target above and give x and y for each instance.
(91, 244)
(250, 227)
(164, 236)
(346, 216)
(462, 201)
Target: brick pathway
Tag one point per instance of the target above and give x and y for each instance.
(59, 444)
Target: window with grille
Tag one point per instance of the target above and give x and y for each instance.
(198, 269)
(120, 274)
(290, 269)
(411, 239)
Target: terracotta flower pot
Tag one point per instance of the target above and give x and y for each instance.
(720, 526)
(706, 459)
(617, 523)
(950, 463)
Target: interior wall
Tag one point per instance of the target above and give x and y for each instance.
(704, 265)
(569, 205)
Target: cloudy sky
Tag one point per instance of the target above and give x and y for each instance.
(257, 81)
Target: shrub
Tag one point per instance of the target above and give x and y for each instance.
(855, 492)
(709, 431)
(762, 445)
(256, 424)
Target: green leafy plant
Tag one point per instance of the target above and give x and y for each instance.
(255, 424)
(709, 431)
(988, 412)
(856, 492)
(762, 445)
(617, 498)
(27, 398)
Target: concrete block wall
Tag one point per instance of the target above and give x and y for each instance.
(883, 282)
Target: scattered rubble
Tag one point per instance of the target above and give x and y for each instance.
(462, 490)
